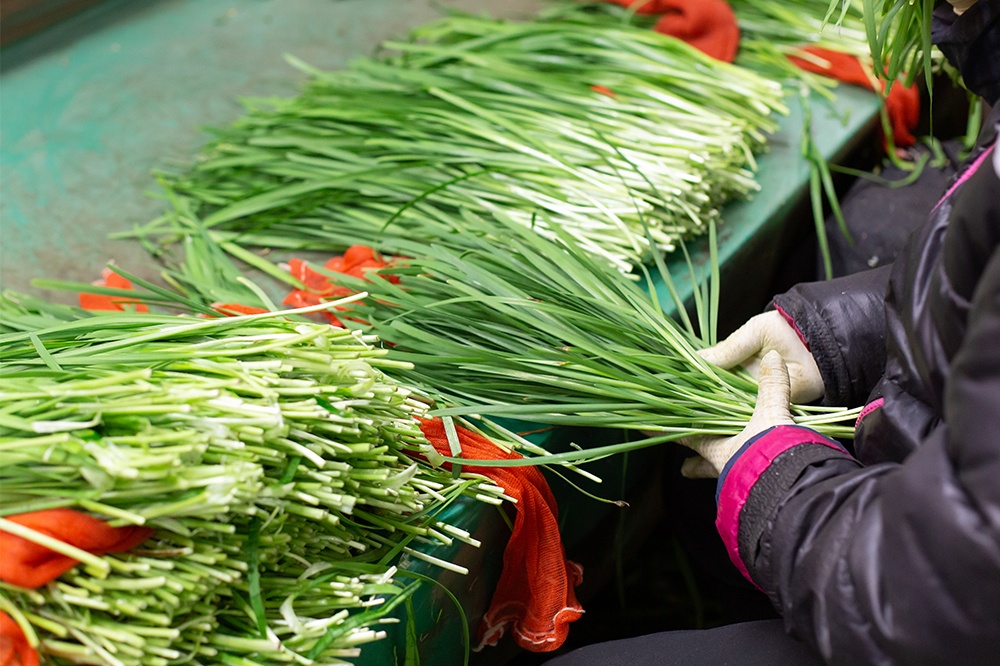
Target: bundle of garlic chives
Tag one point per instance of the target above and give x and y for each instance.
(770, 30)
(899, 36)
(267, 452)
(792, 23)
(490, 117)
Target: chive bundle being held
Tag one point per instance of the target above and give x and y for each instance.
(512, 324)
(592, 125)
(267, 453)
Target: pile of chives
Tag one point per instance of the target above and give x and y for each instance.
(281, 469)
(593, 125)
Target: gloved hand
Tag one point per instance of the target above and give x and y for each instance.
(760, 335)
(771, 410)
(961, 6)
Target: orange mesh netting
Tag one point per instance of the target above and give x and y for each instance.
(534, 597)
(356, 262)
(27, 564)
(98, 302)
(902, 105)
(708, 25)
(14, 647)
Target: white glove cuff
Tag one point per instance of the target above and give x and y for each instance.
(961, 6)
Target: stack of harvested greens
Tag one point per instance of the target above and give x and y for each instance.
(281, 470)
(797, 23)
(770, 30)
(558, 122)
(899, 36)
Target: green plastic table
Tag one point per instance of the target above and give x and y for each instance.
(90, 106)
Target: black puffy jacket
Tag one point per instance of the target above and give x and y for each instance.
(890, 554)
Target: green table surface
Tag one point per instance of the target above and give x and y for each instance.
(89, 107)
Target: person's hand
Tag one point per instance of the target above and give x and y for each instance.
(764, 333)
(771, 410)
(961, 6)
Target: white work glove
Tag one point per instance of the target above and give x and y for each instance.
(771, 410)
(764, 333)
(961, 6)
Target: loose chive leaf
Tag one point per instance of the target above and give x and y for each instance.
(253, 575)
(412, 641)
(453, 443)
(36, 342)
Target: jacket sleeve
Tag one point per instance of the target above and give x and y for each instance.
(842, 322)
(896, 563)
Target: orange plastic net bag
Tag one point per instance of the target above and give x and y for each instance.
(117, 303)
(534, 598)
(27, 564)
(357, 261)
(14, 647)
(708, 25)
(902, 104)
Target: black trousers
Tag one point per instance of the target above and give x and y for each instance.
(762, 643)
(881, 219)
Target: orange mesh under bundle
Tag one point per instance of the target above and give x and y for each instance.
(534, 597)
(14, 647)
(357, 261)
(26, 564)
(708, 25)
(116, 303)
(902, 104)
